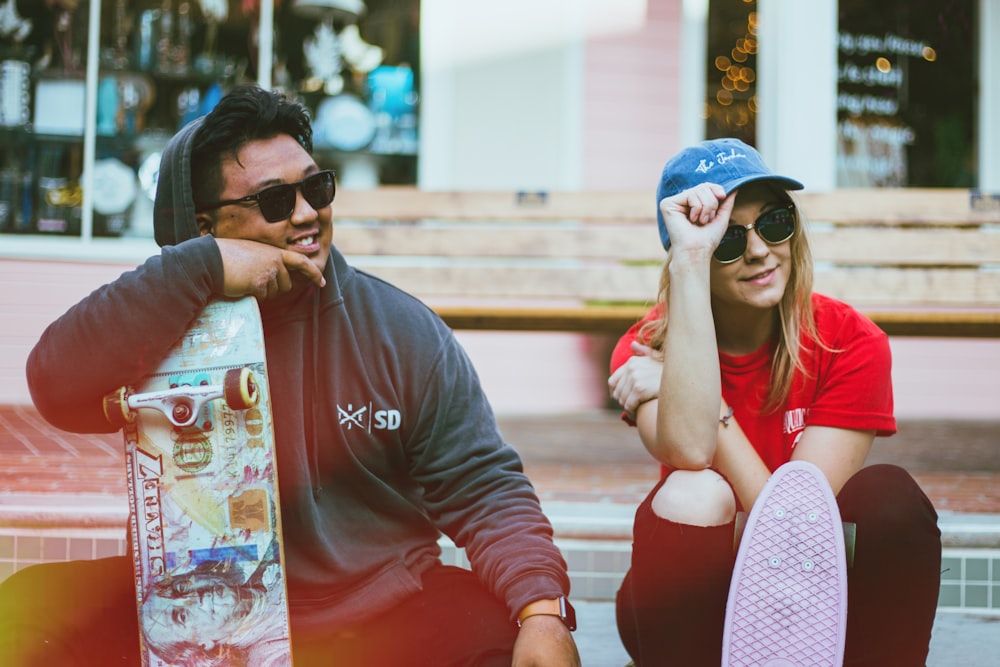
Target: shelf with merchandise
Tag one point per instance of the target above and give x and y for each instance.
(117, 78)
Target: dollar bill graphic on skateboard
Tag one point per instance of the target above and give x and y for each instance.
(203, 498)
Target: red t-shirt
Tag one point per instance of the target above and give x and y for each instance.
(848, 385)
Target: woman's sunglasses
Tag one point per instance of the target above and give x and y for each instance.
(277, 202)
(776, 226)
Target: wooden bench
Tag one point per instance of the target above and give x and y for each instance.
(919, 262)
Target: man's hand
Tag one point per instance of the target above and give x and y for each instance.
(544, 641)
(261, 270)
(638, 379)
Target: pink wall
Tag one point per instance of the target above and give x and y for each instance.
(630, 113)
(33, 294)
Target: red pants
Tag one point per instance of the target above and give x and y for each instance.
(672, 603)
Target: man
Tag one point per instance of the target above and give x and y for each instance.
(243, 209)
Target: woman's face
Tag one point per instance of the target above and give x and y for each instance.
(758, 278)
(200, 611)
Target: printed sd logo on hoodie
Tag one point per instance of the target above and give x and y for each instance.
(366, 418)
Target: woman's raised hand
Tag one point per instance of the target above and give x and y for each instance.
(697, 218)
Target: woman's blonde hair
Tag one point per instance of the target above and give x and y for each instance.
(795, 315)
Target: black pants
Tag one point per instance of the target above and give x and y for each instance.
(672, 604)
(83, 614)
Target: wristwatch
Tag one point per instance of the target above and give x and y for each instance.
(560, 607)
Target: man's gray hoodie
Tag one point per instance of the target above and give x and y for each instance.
(384, 436)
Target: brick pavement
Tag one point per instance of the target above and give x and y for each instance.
(590, 456)
(594, 455)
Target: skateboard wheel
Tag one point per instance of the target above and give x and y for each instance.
(240, 389)
(116, 409)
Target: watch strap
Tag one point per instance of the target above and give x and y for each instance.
(558, 607)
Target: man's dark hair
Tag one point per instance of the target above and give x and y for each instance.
(246, 114)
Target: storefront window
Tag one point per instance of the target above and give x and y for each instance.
(906, 88)
(906, 94)
(731, 91)
(163, 63)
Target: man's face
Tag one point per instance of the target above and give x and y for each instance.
(261, 164)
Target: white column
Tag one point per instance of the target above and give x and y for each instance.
(265, 44)
(691, 96)
(797, 89)
(501, 92)
(90, 122)
(989, 96)
(438, 24)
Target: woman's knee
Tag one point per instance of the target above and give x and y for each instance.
(696, 498)
(885, 493)
(895, 520)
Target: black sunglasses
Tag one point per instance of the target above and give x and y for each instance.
(277, 202)
(776, 226)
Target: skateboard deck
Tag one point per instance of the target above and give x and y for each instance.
(203, 496)
(788, 597)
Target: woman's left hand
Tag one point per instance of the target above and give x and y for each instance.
(638, 379)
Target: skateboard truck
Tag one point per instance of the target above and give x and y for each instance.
(181, 404)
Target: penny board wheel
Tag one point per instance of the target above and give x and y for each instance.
(116, 409)
(240, 389)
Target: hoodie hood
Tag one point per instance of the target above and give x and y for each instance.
(173, 208)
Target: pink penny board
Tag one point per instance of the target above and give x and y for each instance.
(203, 496)
(788, 597)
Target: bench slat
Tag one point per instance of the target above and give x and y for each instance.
(615, 320)
(408, 203)
(889, 246)
(944, 206)
(612, 320)
(861, 286)
(635, 284)
(941, 206)
(888, 286)
(639, 243)
(625, 241)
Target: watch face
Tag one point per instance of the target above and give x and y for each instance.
(344, 123)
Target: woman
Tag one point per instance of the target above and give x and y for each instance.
(738, 369)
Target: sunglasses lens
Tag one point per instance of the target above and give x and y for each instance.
(277, 203)
(776, 226)
(732, 246)
(319, 189)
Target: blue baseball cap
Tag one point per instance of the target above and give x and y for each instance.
(728, 162)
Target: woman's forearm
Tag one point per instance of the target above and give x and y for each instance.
(691, 386)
